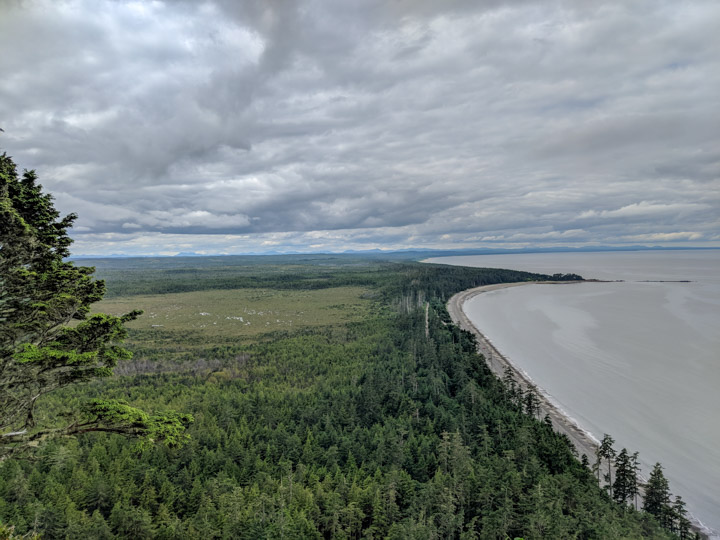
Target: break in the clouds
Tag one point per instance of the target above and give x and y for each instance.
(222, 126)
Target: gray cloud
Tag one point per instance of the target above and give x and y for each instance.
(249, 126)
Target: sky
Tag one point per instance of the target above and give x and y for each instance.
(184, 126)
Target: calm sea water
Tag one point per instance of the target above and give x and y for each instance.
(637, 359)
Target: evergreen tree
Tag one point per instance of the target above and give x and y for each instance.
(509, 380)
(657, 496)
(633, 488)
(131, 522)
(41, 293)
(606, 451)
(680, 522)
(625, 480)
(532, 401)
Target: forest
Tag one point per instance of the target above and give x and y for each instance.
(322, 397)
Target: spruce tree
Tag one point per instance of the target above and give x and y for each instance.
(681, 524)
(657, 496)
(623, 477)
(606, 451)
(532, 401)
(633, 488)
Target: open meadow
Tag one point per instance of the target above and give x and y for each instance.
(240, 312)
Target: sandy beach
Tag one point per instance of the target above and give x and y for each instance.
(499, 363)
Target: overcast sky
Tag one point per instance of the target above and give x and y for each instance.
(322, 125)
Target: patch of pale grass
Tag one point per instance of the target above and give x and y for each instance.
(241, 312)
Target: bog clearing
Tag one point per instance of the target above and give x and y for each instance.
(240, 312)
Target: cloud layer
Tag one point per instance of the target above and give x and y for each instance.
(251, 126)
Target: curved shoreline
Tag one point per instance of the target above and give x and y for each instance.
(498, 363)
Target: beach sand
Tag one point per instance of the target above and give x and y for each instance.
(498, 363)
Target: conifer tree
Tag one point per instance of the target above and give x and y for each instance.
(681, 524)
(622, 474)
(532, 401)
(625, 487)
(633, 488)
(606, 451)
(657, 496)
(41, 293)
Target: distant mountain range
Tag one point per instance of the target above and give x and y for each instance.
(412, 253)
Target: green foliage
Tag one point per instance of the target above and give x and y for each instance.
(7, 532)
(357, 429)
(40, 295)
(625, 487)
(607, 452)
(657, 496)
(394, 278)
(117, 416)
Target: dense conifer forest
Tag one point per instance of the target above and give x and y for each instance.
(378, 427)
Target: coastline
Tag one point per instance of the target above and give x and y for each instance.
(498, 363)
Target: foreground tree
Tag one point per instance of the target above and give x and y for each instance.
(40, 350)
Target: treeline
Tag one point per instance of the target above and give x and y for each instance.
(622, 479)
(160, 276)
(440, 282)
(625, 487)
(377, 429)
(135, 282)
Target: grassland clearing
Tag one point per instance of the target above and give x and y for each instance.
(241, 312)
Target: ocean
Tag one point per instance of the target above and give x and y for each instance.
(638, 359)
